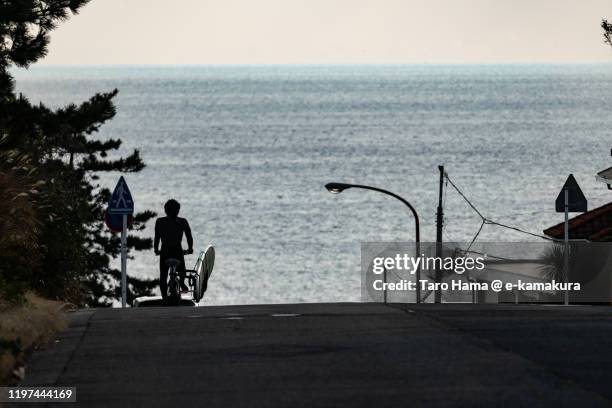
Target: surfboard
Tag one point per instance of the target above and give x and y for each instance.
(198, 273)
(204, 267)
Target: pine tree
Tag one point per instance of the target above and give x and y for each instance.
(75, 246)
(18, 231)
(607, 27)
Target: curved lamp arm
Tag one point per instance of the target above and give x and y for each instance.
(336, 188)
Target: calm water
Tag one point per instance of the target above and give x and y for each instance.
(247, 150)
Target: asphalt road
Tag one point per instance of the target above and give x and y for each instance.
(334, 355)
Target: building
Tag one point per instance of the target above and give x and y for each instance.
(593, 226)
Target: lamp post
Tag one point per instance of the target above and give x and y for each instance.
(337, 188)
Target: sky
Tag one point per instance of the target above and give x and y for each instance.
(332, 32)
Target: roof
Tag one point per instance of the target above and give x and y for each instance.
(605, 176)
(594, 225)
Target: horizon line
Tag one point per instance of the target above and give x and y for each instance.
(319, 64)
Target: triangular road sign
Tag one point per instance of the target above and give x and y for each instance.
(577, 202)
(121, 202)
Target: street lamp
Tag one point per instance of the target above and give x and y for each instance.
(337, 188)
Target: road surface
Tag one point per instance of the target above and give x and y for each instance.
(332, 355)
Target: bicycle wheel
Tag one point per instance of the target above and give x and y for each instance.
(174, 292)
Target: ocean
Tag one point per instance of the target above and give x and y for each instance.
(247, 151)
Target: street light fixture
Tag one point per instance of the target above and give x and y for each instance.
(337, 188)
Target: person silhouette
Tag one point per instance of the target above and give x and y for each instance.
(169, 231)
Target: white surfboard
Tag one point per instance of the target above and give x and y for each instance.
(204, 268)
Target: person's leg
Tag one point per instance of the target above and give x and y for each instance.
(181, 271)
(163, 276)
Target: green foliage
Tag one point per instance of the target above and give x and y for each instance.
(59, 245)
(25, 24)
(13, 347)
(18, 223)
(553, 261)
(586, 260)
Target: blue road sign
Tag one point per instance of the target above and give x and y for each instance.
(121, 201)
(118, 217)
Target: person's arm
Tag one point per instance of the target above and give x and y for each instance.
(189, 237)
(156, 239)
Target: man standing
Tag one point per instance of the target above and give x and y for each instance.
(169, 230)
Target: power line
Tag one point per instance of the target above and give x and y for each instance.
(475, 236)
(486, 220)
(463, 196)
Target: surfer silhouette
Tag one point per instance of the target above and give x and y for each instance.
(169, 231)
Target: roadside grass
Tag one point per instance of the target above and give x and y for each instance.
(24, 328)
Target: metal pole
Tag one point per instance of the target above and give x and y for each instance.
(516, 296)
(124, 262)
(566, 251)
(439, 225)
(416, 227)
(418, 254)
(385, 283)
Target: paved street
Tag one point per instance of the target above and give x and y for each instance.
(356, 355)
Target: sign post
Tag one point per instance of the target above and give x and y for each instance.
(570, 199)
(124, 261)
(119, 216)
(566, 245)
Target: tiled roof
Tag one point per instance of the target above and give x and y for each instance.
(594, 225)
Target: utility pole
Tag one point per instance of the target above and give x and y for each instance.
(439, 226)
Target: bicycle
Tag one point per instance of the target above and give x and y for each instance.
(173, 294)
(197, 287)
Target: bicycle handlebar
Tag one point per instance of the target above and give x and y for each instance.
(185, 252)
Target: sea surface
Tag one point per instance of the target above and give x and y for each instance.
(247, 151)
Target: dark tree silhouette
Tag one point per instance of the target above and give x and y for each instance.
(73, 247)
(607, 27)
